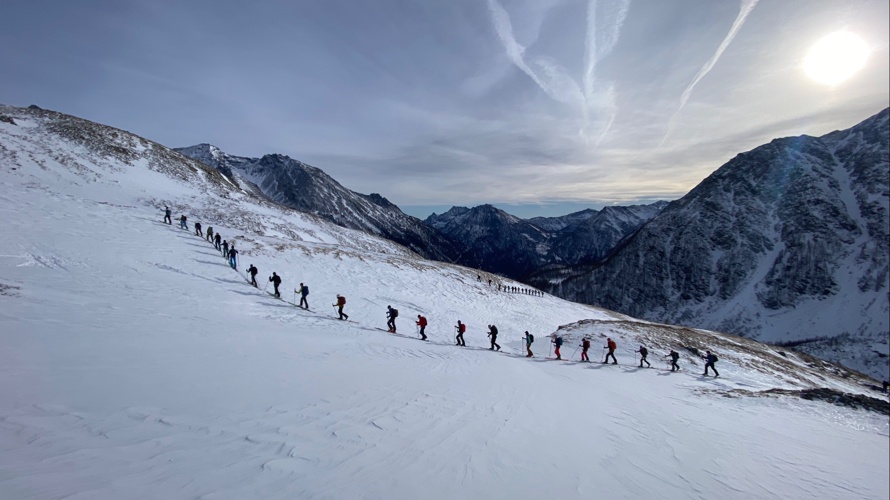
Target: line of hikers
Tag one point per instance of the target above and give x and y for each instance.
(230, 253)
(513, 289)
(611, 346)
(521, 290)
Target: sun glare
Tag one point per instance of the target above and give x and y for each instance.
(836, 57)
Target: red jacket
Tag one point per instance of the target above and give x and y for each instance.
(421, 321)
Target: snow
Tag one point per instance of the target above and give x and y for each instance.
(135, 363)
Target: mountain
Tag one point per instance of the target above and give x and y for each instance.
(308, 189)
(498, 242)
(787, 243)
(136, 363)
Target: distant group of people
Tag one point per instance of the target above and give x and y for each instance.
(513, 289)
(230, 253)
(521, 290)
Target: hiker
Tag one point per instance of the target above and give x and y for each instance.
(557, 341)
(392, 314)
(421, 322)
(276, 280)
(167, 218)
(210, 234)
(611, 346)
(674, 357)
(710, 359)
(252, 271)
(341, 301)
(217, 242)
(304, 291)
(225, 248)
(643, 353)
(585, 345)
(461, 328)
(182, 223)
(529, 338)
(233, 261)
(493, 333)
(198, 231)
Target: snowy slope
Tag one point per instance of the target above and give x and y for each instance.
(308, 189)
(136, 364)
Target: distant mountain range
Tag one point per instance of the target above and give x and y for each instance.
(786, 243)
(498, 242)
(302, 187)
(483, 237)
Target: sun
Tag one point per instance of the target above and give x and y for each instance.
(836, 57)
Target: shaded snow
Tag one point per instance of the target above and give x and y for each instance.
(137, 364)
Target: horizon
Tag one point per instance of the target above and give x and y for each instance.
(542, 107)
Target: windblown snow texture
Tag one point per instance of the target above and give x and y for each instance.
(136, 363)
(786, 243)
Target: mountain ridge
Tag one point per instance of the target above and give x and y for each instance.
(784, 242)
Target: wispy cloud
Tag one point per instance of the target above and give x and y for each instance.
(599, 43)
(745, 9)
(553, 78)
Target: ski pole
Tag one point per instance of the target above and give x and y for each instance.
(265, 287)
(576, 352)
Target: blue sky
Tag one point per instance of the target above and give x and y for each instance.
(537, 106)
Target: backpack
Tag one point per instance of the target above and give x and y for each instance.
(463, 328)
(305, 290)
(585, 344)
(531, 338)
(395, 313)
(713, 358)
(644, 352)
(558, 341)
(341, 301)
(612, 345)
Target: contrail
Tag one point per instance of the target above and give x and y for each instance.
(745, 9)
(515, 50)
(599, 44)
(554, 79)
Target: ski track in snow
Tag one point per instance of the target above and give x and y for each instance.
(135, 363)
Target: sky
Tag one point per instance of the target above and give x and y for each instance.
(540, 107)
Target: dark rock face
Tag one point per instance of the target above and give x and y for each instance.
(498, 242)
(302, 187)
(787, 241)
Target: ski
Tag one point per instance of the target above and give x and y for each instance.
(399, 334)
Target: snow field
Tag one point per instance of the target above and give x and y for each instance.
(135, 364)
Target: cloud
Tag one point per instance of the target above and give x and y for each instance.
(746, 7)
(553, 78)
(598, 44)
